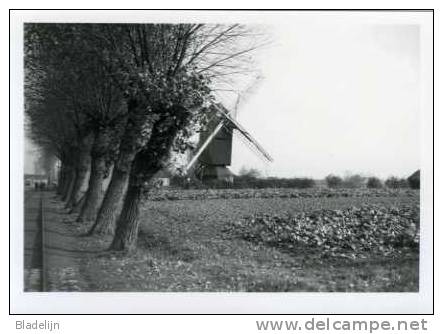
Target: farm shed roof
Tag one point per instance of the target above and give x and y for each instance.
(415, 175)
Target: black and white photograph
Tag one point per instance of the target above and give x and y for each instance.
(228, 152)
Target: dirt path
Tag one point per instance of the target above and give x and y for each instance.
(71, 260)
(32, 242)
(62, 251)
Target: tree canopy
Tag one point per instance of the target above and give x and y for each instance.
(123, 97)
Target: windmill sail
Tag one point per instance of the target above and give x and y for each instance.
(236, 125)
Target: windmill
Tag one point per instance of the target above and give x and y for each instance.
(215, 146)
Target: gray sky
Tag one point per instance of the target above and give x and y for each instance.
(334, 99)
(31, 156)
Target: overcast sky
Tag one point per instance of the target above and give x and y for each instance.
(334, 99)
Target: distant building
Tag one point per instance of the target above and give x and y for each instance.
(414, 180)
(162, 178)
(32, 179)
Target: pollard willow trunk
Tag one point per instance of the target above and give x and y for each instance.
(82, 165)
(128, 223)
(61, 180)
(125, 238)
(112, 202)
(82, 169)
(69, 184)
(94, 194)
(146, 163)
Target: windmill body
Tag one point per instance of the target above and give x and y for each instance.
(214, 154)
(216, 157)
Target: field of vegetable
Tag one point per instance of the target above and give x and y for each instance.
(264, 240)
(197, 194)
(358, 240)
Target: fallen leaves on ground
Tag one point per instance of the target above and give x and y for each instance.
(352, 232)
